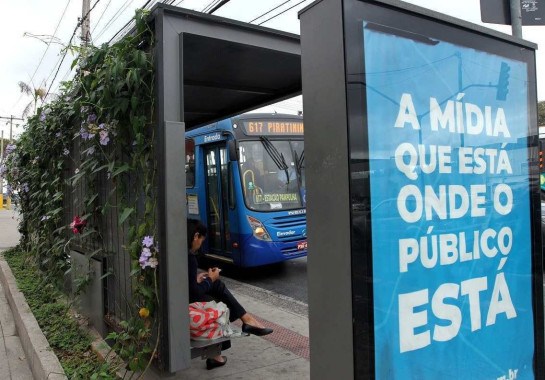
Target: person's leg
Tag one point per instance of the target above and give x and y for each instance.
(220, 292)
(249, 324)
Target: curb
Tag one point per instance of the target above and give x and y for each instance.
(43, 362)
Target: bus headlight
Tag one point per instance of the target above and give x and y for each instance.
(258, 229)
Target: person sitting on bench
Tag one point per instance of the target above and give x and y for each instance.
(207, 286)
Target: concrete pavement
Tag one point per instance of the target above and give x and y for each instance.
(283, 354)
(13, 360)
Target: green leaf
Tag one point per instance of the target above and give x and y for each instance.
(74, 63)
(99, 168)
(121, 169)
(56, 211)
(134, 102)
(91, 200)
(125, 214)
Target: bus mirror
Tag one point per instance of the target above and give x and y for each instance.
(232, 149)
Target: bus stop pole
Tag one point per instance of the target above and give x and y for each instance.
(516, 18)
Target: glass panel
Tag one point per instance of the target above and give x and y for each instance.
(224, 163)
(189, 163)
(269, 174)
(212, 190)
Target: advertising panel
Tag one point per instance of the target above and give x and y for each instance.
(450, 209)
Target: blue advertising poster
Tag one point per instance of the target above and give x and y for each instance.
(450, 210)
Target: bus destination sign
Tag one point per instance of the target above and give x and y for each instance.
(273, 128)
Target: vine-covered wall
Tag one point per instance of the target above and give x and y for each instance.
(85, 173)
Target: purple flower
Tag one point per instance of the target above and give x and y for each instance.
(104, 139)
(147, 241)
(143, 261)
(145, 252)
(3, 170)
(83, 133)
(10, 148)
(58, 134)
(42, 116)
(45, 217)
(91, 118)
(26, 189)
(101, 126)
(9, 190)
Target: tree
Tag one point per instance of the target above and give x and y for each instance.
(541, 113)
(39, 93)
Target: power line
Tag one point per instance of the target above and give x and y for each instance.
(209, 6)
(102, 31)
(284, 11)
(129, 25)
(114, 17)
(218, 6)
(69, 43)
(266, 13)
(101, 15)
(46, 49)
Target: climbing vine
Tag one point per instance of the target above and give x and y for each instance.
(97, 132)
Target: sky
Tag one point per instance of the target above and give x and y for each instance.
(34, 34)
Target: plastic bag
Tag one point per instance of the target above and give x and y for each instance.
(209, 320)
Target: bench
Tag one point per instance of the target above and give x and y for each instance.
(209, 348)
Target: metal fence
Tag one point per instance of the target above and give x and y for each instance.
(108, 245)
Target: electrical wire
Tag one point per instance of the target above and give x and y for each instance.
(114, 17)
(284, 11)
(80, 22)
(210, 5)
(46, 49)
(266, 13)
(129, 25)
(100, 18)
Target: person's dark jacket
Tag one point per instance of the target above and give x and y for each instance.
(197, 292)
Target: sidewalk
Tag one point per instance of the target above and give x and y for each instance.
(13, 361)
(282, 355)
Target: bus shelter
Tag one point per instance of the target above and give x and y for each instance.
(208, 68)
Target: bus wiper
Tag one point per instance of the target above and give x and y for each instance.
(277, 157)
(299, 161)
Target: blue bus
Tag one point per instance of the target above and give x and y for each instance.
(245, 179)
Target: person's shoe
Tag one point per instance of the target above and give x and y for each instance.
(259, 331)
(213, 363)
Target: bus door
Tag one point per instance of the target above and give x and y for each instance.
(217, 193)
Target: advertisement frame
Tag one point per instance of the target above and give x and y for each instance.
(417, 22)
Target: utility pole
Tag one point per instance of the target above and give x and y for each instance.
(516, 18)
(86, 23)
(11, 118)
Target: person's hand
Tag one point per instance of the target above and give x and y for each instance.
(214, 273)
(201, 277)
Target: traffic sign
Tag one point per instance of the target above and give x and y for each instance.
(498, 12)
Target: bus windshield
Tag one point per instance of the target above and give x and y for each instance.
(272, 174)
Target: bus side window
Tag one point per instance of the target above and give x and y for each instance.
(189, 163)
